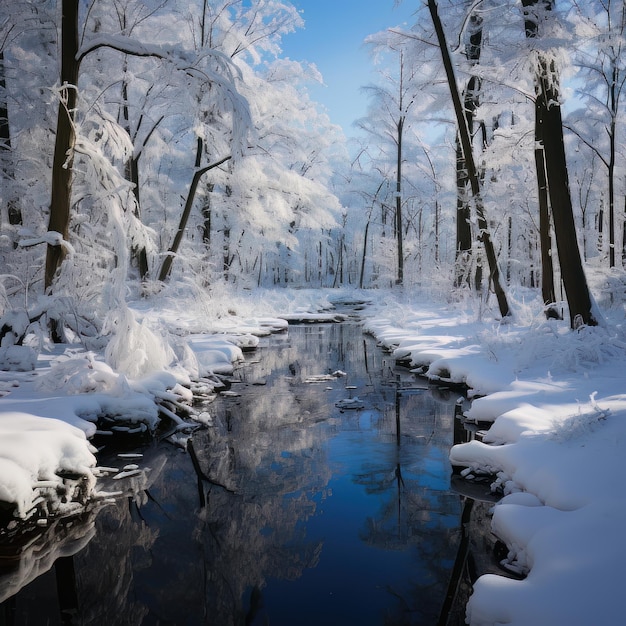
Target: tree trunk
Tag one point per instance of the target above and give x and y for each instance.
(207, 217)
(399, 233)
(7, 169)
(131, 171)
(363, 256)
(624, 236)
(613, 149)
(62, 164)
(169, 258)
(572, 273)
(550, 130)
(472, 173)
(470, 100)
(547, 269)
(463, 225)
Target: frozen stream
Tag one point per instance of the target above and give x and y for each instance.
(313, 499)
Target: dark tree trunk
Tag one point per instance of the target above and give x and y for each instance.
(572, 273)
(466, 144)
(207, 217)
(182, 225)
(550, 131)
(363, 256)
(7, 170)
(131, 170)
(547, 270)
(62, 165)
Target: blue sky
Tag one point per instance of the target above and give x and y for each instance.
(332, 38)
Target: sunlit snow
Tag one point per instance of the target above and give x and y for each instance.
(557, 402)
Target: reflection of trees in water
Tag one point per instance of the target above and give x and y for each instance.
(311, 350)
(108, 569)
(265, 466)
(166, 552)
(106, 591)
(417, 510)
(268, 453)
(265, 469)
(257, 443)
(245, 540)
(275, 431)
(89, 560)
(26, 558)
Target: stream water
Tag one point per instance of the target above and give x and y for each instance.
(320, 495)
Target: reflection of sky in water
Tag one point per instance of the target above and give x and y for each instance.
(349, 584)
(385, 519)
(355, 581)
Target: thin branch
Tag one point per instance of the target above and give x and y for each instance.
(587, 143)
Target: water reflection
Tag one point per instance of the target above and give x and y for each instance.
(289, 510)
(347, 514)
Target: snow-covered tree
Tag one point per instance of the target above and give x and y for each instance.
(395, 160)
(550, 136)
(468, 157)
(598, 52)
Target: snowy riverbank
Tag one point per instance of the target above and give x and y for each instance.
(163, 353)
(556, 399)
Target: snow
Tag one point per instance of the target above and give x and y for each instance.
(17, 358)
(556, 404)
(54, 402)
(553, 401)
(312, 318)
(52, 238)
(33, 451)
(215, 354)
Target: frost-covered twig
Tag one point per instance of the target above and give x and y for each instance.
(601, 413)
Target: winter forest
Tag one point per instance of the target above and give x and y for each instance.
(164, 142)
(168, 143)
(166, 155)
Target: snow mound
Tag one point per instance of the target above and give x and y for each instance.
(36, 457)
(82, 374)
(17, 359)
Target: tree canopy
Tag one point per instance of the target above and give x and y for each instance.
(157, 142)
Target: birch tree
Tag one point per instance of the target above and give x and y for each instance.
(471, 102)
